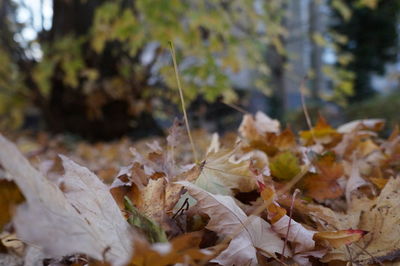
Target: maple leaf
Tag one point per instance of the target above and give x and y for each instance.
(221, 174)
(380, 218)
(322, 133)
(323, 184)
(157, 199)
(263, 133)
(226, 218)
(301, 238)
(81, 218)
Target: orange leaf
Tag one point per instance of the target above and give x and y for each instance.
(10, 196)
(271, 143)
(320, 188)
(184, 248)
(275, 212)
(329, 167)
(322, 185)
(322, 133)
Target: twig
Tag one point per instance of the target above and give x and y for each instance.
(290, 221)
(182, 100)
(184, 207)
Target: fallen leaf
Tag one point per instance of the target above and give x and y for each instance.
(285, 166)
(182, 249)
(337, 239)
(254, 128)
(226, 218)
(154, 233)
(323, 184)
(364, 124)
(12, 243)
(301, 237)
(380, 217)
(221, 174)
(322, 133)
(157, 199)
(355, 180)
(83, 219)
(10, 197)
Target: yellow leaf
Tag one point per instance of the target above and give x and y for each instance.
(322, 133)
(285, 166)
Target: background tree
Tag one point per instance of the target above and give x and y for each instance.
(371, 33)
(106, 66)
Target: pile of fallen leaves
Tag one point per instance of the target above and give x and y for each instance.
(262, 197)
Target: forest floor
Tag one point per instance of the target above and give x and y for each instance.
(263, 195)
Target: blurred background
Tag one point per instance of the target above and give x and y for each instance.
(102, 69)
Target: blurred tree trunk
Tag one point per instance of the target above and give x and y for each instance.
(276, 62)
(67, 108)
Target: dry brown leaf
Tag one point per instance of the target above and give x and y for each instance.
(157, 199)
(83, 219)
(364, 124)
(221, 174)
(251, 234)
(254, 128)
(323, 184)
(11, 242)
(380, 217)
(337, 239)
(355, 180)
(182, 249)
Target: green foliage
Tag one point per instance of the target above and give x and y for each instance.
(12, 98)
(201, 31)
(13, 93)
(101, 57)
